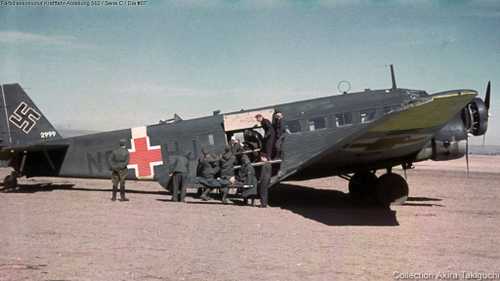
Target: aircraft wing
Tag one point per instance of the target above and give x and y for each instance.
(34, 147)
(397, 134)
(36, 159)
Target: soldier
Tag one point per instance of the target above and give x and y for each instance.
(207, 169)
(227, 172)
(265, 180)
(178, 174)
(237, 149)
(269, 135)
(246, 176)
(252, 139)
(119, 161)
(279, 129)
(236, 145)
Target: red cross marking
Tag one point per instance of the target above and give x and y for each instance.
(143, 157)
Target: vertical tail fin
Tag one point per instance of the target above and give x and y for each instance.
(21, 122)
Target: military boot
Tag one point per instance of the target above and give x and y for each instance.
(204, 196)
(122, 196)
(113, 197)
(224, 195)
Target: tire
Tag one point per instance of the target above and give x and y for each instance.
(362, 186)
(10, 182)
(392, 189)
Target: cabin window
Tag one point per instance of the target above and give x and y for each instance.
(343, 119)
(317, 124)
(211, 139)
(367, 115)
(292, 126)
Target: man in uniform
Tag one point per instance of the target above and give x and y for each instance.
(207, 169)
(235, 145)
(269, 135)
(178, 173)
(247, 178)
(279, 130)
(226, 172)
(252, 139)
(119, 161)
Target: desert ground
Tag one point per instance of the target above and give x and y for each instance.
(68, 229)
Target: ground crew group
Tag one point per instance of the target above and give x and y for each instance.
(217, 172)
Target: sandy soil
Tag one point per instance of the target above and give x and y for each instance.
(70, 230)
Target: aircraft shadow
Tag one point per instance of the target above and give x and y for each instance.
(410, 202)
(48, 187)
(330, 207)
(410, 199)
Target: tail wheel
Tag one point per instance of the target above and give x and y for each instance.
(392, 189)
(362, 185)
(10, 182)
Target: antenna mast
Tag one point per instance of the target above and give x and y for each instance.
(393, 77)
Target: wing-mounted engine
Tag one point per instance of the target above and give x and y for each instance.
(475, 117)
(451, 142)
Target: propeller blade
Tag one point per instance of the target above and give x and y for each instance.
(467, 154)
(488, 95)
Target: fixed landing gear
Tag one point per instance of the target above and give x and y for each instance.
(10, 181)
(391, 189)
(362, 186)
(388, 189)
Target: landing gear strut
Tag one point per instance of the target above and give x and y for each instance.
(362, 186)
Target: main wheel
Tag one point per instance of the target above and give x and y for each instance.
(392, 189)
(362, 185)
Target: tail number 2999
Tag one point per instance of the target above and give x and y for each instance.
(48, 134)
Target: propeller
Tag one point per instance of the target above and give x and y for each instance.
(487, 99)
(467, 153)
(487, 103)
(488, 95)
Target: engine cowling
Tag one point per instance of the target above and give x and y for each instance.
(449, 143)
(448, 149)
(475, 117)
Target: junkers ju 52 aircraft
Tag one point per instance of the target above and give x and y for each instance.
(351, 135)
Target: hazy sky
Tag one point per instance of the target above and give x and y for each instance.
(115, 67)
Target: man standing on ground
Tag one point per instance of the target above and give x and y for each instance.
(119, 161)
(178, 173)
(207, 169)
(226, 172)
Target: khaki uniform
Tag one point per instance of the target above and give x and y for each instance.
(119, 160)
